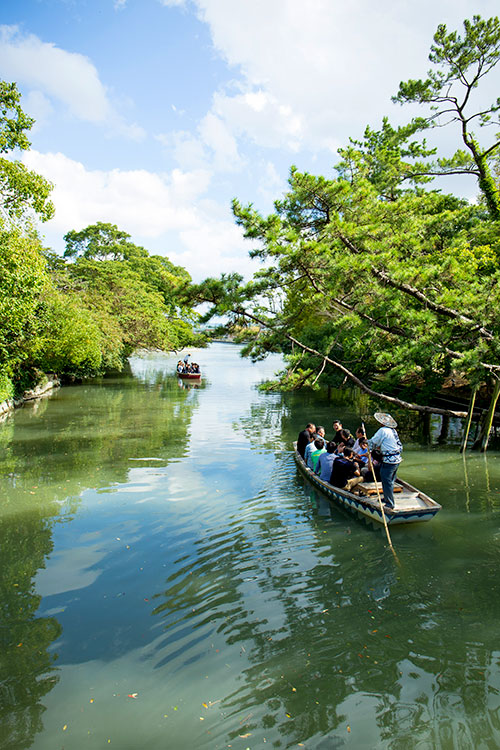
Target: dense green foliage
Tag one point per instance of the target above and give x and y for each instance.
(369, 275)
(81, 315)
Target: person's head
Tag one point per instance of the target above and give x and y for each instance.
(363, 442)
(345, 434)
(330, 447)
(319, 443)
(337, 425)
(311, 428)
(348, 453)
(320, 431)
(359, 432)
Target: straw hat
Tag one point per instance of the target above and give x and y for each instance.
(385, 419)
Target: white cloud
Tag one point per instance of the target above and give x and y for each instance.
(217, 136)
(68, 77)
(151, 207)
(311, 75)
(213, 146)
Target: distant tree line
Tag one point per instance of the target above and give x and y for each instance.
(373, 276)
(82, 314)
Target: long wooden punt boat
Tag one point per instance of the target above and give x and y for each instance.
(189, 375)
(411, 505)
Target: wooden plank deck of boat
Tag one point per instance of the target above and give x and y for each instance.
(404, 498)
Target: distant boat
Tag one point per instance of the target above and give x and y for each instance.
(411, 505)
(189, 375)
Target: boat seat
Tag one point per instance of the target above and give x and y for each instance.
(370, 488)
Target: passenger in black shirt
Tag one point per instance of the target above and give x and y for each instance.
(345, 471)
(305, 438)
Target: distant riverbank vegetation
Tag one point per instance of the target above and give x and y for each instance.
(374, 276)
(82, 314)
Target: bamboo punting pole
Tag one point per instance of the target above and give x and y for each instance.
(488, 421)
(468, 421)
(370, 465)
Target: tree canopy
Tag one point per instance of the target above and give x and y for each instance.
(373, 275)
(83, 314)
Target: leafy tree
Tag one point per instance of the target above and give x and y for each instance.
(23, 279)
(461, 63)
(22, 191)
(126, 285)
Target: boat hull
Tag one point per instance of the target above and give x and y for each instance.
(189, 375)
(424, 508)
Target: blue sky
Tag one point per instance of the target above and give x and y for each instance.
(154, 114)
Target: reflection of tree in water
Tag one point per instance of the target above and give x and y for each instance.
(266, 422)
(88, 434)
(351, 626)
(51, 452)
(27, 671)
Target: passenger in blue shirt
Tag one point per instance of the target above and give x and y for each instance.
(325, 463)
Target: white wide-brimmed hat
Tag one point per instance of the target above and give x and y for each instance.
(385, 419)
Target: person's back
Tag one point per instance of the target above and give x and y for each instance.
(319, 445)
(320, 433)
(343, 469)
(325, 462)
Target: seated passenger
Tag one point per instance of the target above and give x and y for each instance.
(305, 438)
(345, 471)
(367, 473)
(359, 434)
(361, 454)
(347, 438)
(337, 426)
(325, 463)
(320, 433)
(319, 448)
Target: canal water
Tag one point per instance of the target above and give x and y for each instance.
(169, 581)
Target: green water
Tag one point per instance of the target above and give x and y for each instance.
(170, 581)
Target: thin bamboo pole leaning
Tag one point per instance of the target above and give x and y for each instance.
(370, 466)
(468, 421)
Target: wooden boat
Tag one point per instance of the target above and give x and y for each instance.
(189, 375)
(411, 505)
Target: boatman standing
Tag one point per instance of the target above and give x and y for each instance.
(387, 441)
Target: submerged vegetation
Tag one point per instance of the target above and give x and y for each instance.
(374, 276)
(84, 314)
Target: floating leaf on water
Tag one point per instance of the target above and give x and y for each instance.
(348, 728)
(205, 705)
(65, 727)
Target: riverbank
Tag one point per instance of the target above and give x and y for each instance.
(44, 388)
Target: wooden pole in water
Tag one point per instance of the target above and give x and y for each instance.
(468, 421)
(370, 465)
(490, 415)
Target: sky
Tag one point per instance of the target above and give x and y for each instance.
(154, 114)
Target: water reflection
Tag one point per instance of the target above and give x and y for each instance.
(182, 559)
(27, 671)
